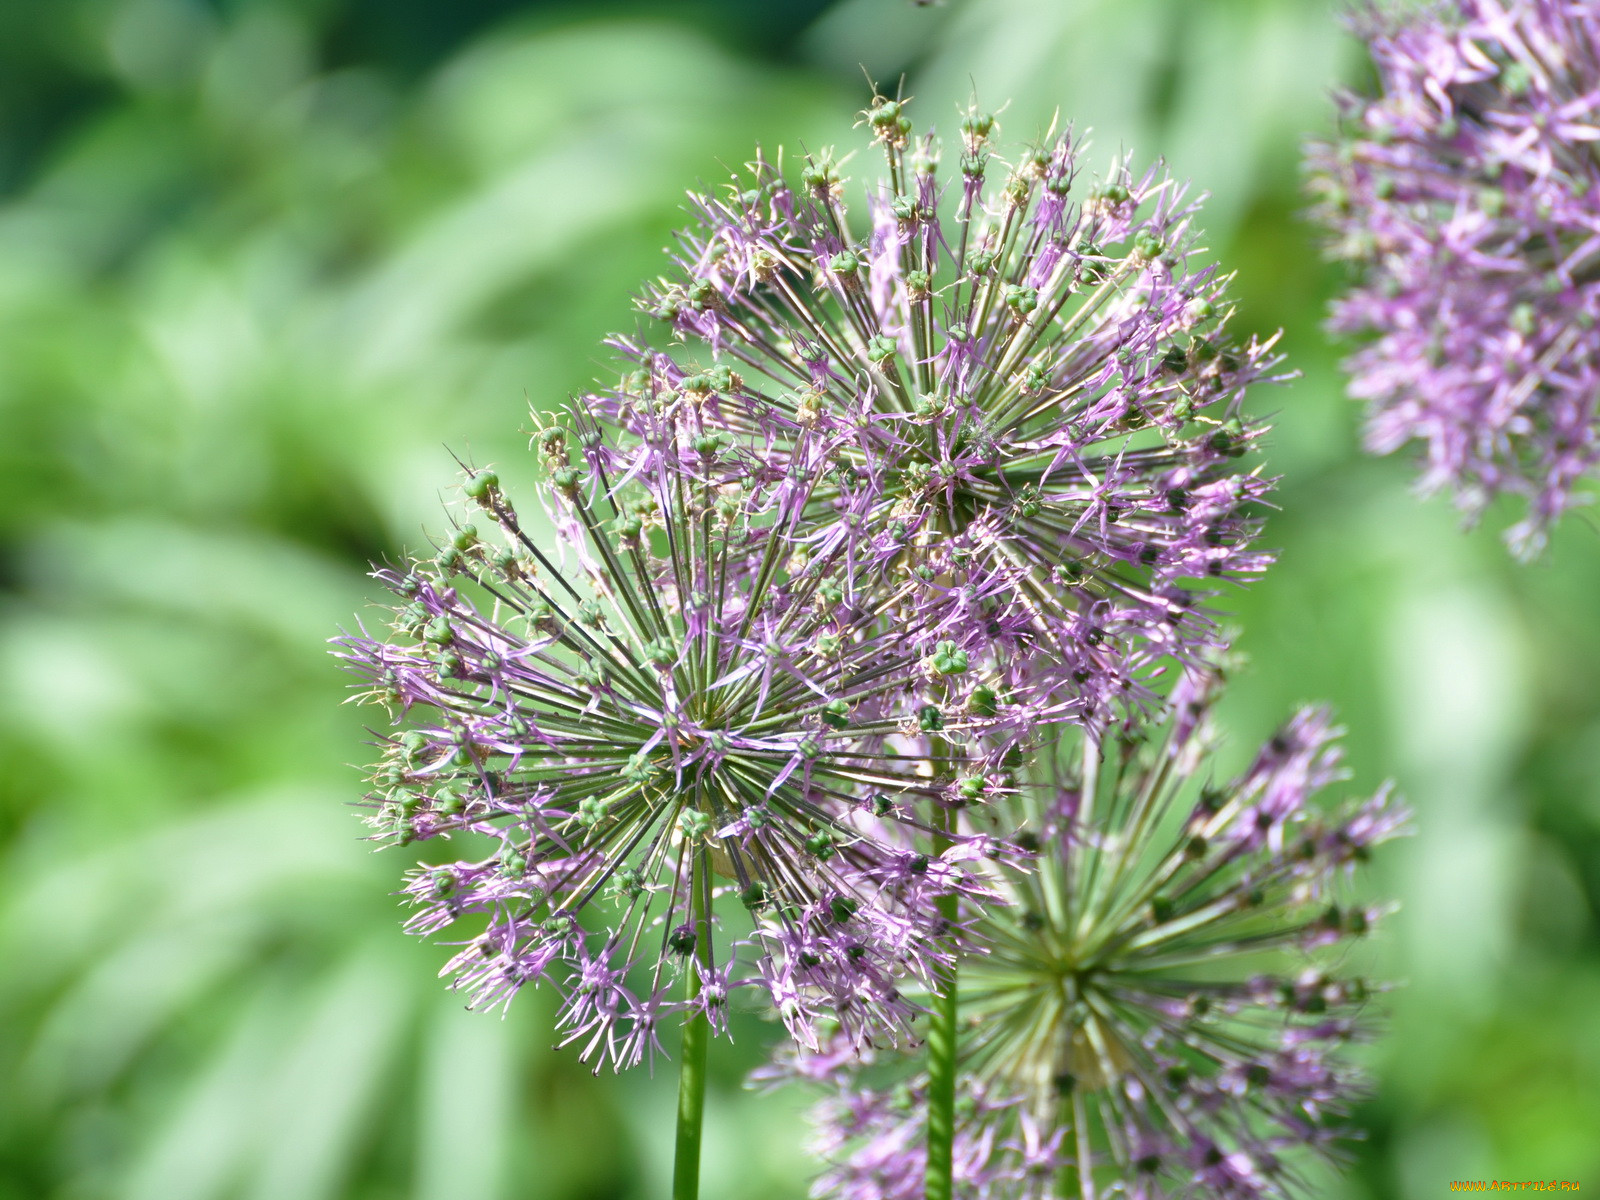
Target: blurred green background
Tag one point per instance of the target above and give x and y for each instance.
(264, 262)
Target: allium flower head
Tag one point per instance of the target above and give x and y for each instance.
(1468, 191)
(682, 704)
(1158, 1013)
(1026, 376)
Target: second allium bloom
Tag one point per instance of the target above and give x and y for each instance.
(1161, 1010)
(1468, 191)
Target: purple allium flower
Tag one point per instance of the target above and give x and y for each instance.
(1467, 193)
(1026, 377)
(1159, 1011)
(687, 701)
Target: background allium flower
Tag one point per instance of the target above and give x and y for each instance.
(686, 697)
(1467, 193)
(1159, 1003)
(1027, 377)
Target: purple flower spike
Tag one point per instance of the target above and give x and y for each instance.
(1468, 194)
(686, 703)
(1026, 377)
(1157, 1013)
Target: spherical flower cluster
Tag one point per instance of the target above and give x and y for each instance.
(689, 701)
(1026, 378)
(1159, 1007)
(1468, 191)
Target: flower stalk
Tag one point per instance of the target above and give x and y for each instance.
(692, 1055)
(943, 1015)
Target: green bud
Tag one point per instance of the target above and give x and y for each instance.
(682, 940)
(591, 811)
(842, 908)
(1021, 300)
(1228, 439)
(559, 926)
(836, 714)
(639, 769)
(947, 659)
(930, 719)
(1090, 269)
(844, 264)
(819, 174)
(881, 349)
(482, 486)
(438, 631)
(693, 823)
(821, 843)
(511, 859)
(626, 884)
(1516, 78)
(984, 701)
(978, 125)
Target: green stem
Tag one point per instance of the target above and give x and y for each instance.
(938, 1184)
(692, 1064)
